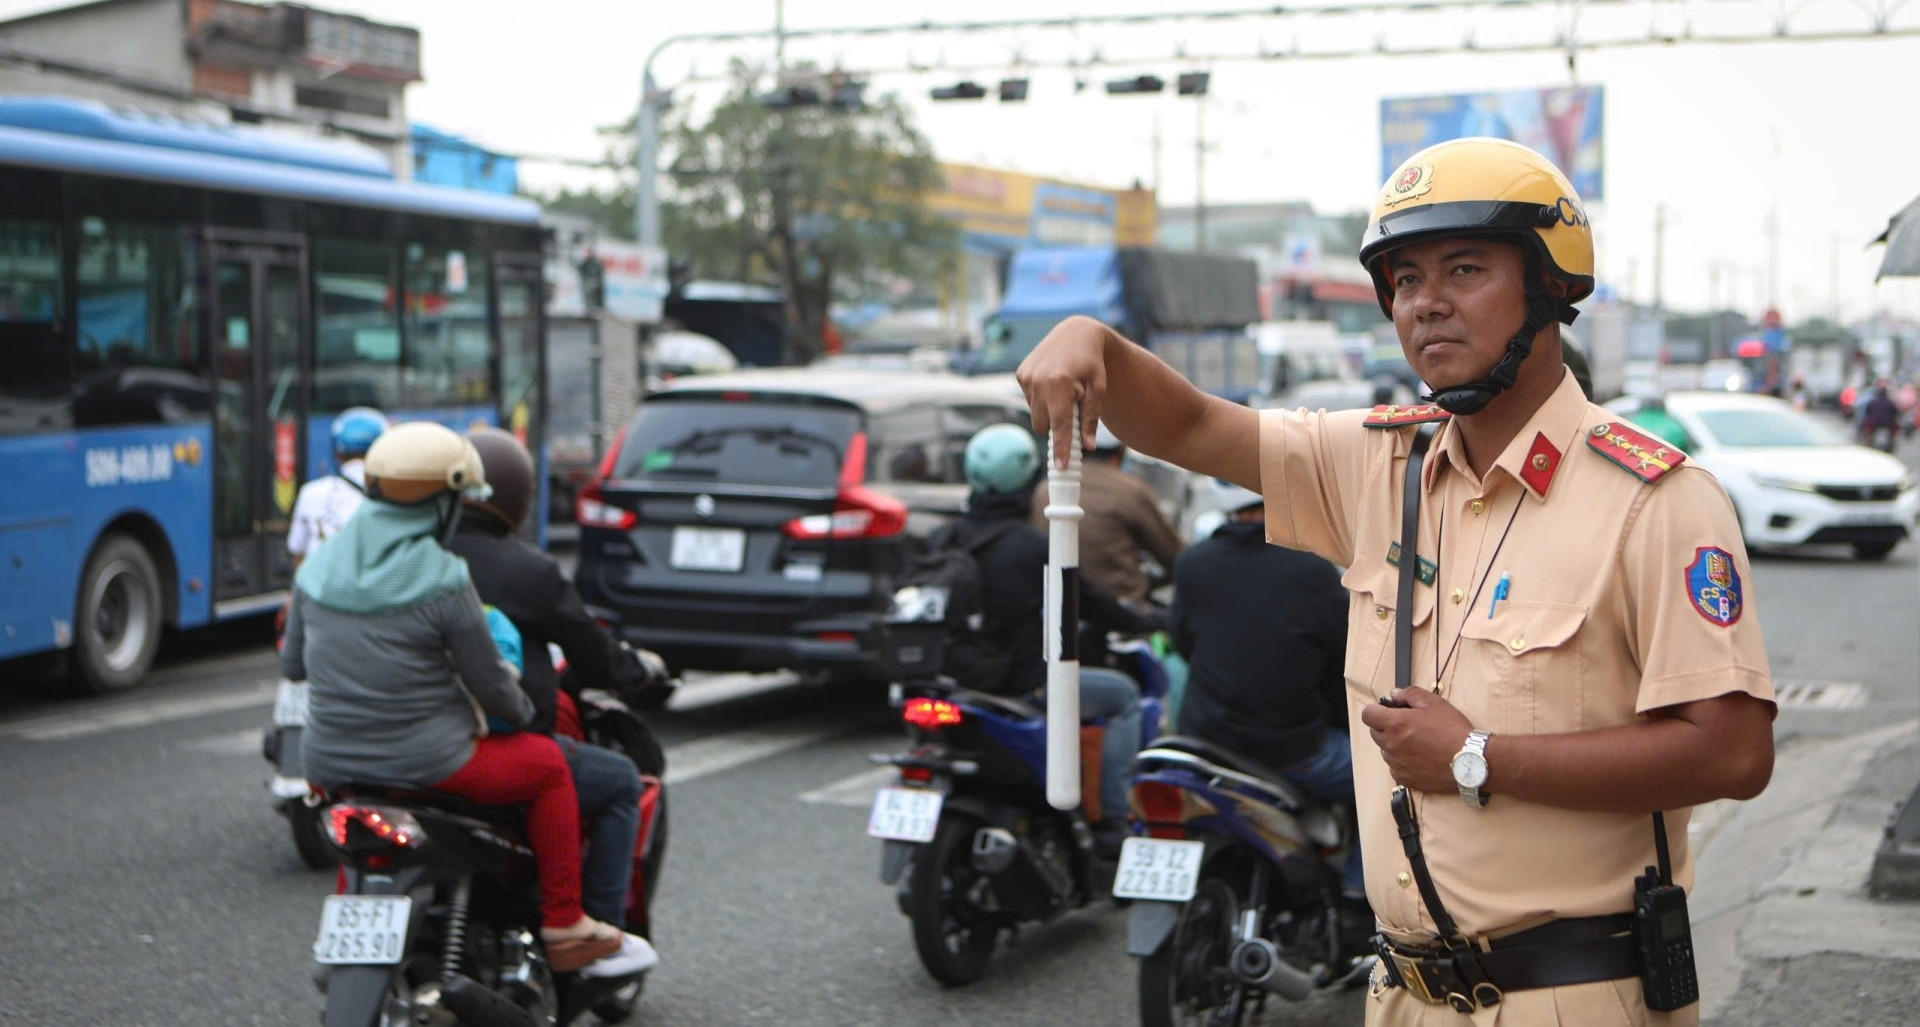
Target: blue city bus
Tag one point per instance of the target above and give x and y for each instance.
(183, 310)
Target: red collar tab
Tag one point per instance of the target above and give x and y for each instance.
(1390, 416)
(1644, 456)
(1541, 462)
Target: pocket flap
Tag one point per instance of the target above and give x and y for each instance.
(1378, 583)
(1519, 628)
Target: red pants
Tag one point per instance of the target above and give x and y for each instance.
(526, 768)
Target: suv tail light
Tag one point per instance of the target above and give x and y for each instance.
(593, 511)
(858, 512)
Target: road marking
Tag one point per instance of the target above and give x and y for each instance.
(1819, 695)
(690, 761)
(245, 742)
(141, 712)
(707, 690)
(855, 790)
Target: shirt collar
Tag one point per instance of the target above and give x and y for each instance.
(1534, 456)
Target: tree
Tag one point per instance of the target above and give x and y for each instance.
(825, 200)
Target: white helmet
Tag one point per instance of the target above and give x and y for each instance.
(1104, 440)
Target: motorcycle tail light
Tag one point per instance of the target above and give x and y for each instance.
(931, 714)
(395, 827)
(917, 775)
(1165, 808)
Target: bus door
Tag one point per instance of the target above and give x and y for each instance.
(523, 402)
(259, 327)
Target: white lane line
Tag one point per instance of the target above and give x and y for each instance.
(245, 742)
(713, 689)
(690, 761)
(854, 790)
(81, 723)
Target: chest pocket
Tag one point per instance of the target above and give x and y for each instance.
(1510, 661)
(1375, 586)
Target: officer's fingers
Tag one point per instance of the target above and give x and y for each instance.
(1414, 698)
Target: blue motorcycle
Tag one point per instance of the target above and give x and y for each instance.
(969, 837)
(1236, 887)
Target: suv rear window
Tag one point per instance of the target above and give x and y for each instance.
(739, 442)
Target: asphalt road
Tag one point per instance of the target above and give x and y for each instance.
(145, 881)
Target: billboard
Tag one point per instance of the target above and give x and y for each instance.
(1562, 124)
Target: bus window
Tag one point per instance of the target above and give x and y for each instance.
(444, 357)
(35, 369)
(137, 345)
(356, 348)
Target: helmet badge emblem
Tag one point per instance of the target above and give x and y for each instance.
(703, 505)
(1413, 180)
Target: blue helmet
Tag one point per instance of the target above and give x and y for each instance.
(355, 429)
(1002, 458)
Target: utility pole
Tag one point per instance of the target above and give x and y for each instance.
(1659, 241)
(1833, 276)
(1200, 174)
(1773, 258)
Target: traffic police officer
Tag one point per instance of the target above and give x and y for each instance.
(1581, 643)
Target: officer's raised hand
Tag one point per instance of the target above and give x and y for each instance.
(1068, 366)
(1418, 734)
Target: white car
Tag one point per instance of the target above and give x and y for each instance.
(1795, 478)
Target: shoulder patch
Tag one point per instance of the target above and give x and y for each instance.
(1390, 416)
(1642, 455)
(1714, 586)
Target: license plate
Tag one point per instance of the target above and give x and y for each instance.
(708, 549)
(1158, 868)
(1876, 515)
(362, 929)
(290, 705)
(905, 814)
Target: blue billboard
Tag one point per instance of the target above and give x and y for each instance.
(1561, 124)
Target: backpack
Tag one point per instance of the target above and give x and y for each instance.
(934, 624)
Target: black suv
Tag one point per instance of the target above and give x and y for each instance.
(757, 520)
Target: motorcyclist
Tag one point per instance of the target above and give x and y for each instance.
(386, 626)
(1121, 522)
(529, 587)
(1879, 414)
(325, 503)
(1001, 463)
(1264, 631)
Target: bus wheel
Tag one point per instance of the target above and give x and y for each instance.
(117, 620)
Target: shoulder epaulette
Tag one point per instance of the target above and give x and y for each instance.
(1642, 455)
(1390, 416)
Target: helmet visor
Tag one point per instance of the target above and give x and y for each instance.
(1463, 217)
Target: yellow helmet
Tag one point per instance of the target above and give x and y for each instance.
(1482, 186)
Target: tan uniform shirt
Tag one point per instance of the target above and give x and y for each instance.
(1122, 521)
(1624, 596)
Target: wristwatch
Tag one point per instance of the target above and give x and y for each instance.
(1470, 768)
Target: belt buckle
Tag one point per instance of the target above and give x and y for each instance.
(1415, 982)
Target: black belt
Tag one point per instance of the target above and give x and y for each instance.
(1555, 954)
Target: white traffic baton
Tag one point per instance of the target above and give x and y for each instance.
(1063, 618)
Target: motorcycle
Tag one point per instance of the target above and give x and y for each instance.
(292, 799)
(1236, 887)
(967, 834)
(437, 913)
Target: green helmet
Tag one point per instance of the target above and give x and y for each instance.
(1001, 458)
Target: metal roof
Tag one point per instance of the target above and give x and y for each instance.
(54, 151)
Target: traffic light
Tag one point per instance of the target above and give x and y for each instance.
(967, 90)
(1013, 90)
(1137, 84)
(791, 96)
(1192, 83)
(849, 95)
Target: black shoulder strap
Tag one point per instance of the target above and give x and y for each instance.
(1409, 557)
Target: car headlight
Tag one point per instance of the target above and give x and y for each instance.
(1906, 482)
(1790, 484)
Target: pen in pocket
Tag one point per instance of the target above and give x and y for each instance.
(1499, 592)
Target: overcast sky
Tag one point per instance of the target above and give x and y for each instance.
(1720, 134)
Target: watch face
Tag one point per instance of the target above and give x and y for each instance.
(1469, 769)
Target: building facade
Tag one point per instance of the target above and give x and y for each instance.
(223, 61)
